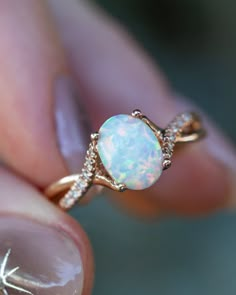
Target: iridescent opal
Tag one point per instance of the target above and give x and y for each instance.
(130, 152)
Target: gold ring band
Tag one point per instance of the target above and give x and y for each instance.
(100, 168)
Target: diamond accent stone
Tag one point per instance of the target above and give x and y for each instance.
(173, 130)
(83, 182)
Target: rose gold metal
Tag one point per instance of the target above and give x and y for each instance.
(186, 127)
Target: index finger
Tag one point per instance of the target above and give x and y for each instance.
(114, 77)
(117, 77)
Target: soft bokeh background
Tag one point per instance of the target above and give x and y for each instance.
(194, 41)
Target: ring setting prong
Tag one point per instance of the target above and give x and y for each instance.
(137, 113)
(94, 136)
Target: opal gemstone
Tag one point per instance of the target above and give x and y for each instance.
(130, 152)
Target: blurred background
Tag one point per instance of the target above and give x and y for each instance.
(194, 41)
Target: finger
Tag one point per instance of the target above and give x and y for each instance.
(35, 89)
(116, 77)
(51, 250)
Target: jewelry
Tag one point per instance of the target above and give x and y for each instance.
(4, 275)
(128, 152)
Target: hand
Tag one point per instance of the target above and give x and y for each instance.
(45, 127)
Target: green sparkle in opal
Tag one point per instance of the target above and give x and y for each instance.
(130, 152)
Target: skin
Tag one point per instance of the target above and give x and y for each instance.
(64, 37)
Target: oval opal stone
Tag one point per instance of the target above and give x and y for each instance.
(130, 152)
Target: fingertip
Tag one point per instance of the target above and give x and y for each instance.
(43, 130)
(117, 77)
(30, 225)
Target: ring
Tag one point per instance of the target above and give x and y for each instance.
(128, 152)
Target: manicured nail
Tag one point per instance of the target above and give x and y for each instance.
(72, 124)
(48, 261)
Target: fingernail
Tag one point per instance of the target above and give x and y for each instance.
(72, 124)
(49, 262)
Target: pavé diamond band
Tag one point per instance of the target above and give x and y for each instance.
(128, 152)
